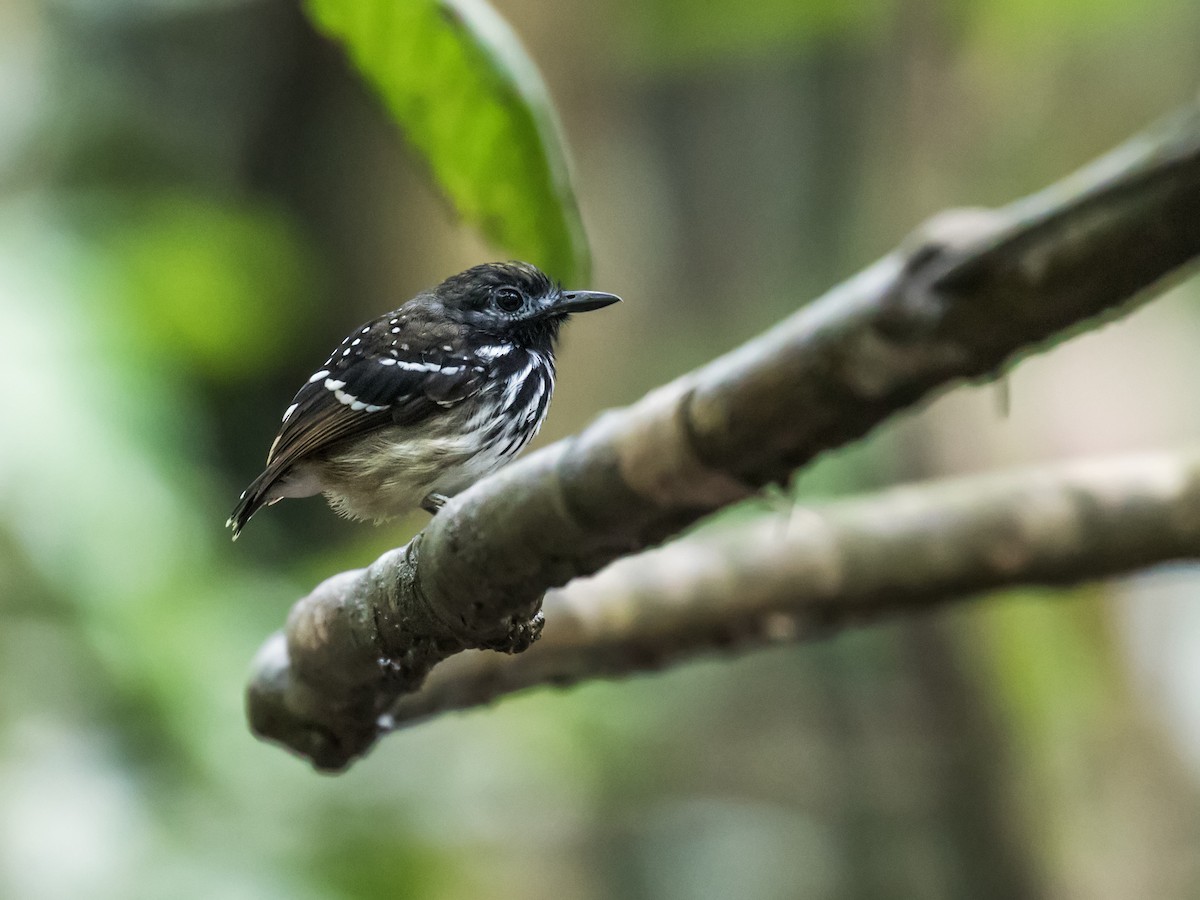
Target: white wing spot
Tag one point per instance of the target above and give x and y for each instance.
(356, 342)
(395, 331)
(387, 361)
(291, 409)
(332, 385)
(348, 399)
(324, 373)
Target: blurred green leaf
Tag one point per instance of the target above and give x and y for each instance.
(683, 33)
(472, 102)
(220, 285)
(1012, 26)
(1050, 676)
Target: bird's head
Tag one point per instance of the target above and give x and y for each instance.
(514, 301)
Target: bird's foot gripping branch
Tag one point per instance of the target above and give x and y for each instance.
(959, 302)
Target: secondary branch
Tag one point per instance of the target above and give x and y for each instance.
(818, 570)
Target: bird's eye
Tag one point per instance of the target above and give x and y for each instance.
(508, 299)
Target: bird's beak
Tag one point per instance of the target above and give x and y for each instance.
(581, 301)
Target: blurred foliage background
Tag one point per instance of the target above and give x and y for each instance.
(198, 198)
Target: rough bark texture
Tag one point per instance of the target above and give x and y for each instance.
(820, 569)
(968, 294)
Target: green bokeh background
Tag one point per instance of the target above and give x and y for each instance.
(198, 198)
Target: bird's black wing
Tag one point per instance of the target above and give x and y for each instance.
(355, 393)
(370, 393)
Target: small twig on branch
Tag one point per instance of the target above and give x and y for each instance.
(905, 550)
(968, 294)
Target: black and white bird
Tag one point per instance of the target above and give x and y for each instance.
(420, 403)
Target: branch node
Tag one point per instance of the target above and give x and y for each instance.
(916, 303)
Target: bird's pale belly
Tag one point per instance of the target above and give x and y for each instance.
(394, 470)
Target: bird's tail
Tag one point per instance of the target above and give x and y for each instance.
(252, 500)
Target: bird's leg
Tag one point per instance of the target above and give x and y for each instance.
(433, 503)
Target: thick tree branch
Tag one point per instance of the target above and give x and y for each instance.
(818, 570)
(972, 291)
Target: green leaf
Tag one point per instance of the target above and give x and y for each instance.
(468, 97)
